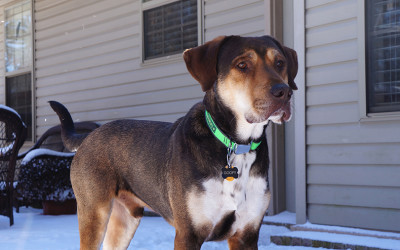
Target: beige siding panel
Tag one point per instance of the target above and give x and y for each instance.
(89, 42)
(7, 3)
(328, 34)
(361, 175)
(244, 28)
(72, 81)
(368, 154)
(373, 218)
(115, 102)
(90, 73)
(122, 113)
(376, 197)
(332, 93)
(165, 117)
(332, 73)
(316, 3)
(118, 85)
(96, 50)
(231, 16)
(237, 17)
(89, 62)
(331, 13)
(353, 133)
(80, 27)
(213, 7)
(63, 9)
(332, 114)
(96, 14)
(67, 37)
(332, 53)
(44, 4)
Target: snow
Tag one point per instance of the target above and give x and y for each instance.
(42, 151)
(5, 150)
(347, 230)
(34, 231)
(347, 239)
(283, 218)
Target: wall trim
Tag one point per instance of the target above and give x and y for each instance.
(300, 112)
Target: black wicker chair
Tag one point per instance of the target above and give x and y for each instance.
(44, 170)
(12, 137)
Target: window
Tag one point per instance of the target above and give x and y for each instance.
(18, 61)
(19, 97)
(383, 55)
(170, 28)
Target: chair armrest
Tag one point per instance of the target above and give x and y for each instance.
(42, 151)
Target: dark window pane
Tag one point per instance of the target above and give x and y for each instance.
(383, 55)
(19, 97)
(170, 29)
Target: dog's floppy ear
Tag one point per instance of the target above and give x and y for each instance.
(292, 65)
(201, 62)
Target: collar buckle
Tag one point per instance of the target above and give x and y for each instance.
(242, 149)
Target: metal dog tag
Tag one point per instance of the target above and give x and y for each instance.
(230, 173)
(242, 149)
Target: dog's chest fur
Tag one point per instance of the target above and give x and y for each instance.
(247, 197)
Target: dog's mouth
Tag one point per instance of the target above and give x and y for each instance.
(277, 115)
(281, 115)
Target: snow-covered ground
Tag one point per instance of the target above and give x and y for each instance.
(33, 231)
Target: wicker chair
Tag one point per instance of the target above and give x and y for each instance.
(12, 137)
(46, 166)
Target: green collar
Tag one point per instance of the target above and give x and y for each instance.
(233, 146)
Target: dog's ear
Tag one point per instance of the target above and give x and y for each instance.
(201, 62)
(292, 65)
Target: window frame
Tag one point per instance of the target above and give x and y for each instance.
(362, 72)
(169, 58)
(25, 70)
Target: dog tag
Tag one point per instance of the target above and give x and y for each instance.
(230, 173)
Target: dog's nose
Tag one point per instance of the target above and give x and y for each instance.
(281, 91)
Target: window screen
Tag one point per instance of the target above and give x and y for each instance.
(170, 29)
(383, 55)
(18, 37)
(18, 97)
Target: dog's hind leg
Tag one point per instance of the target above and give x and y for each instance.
(92, 224)
(125, 218)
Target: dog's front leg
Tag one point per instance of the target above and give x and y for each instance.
(245, 240)
(187, 241)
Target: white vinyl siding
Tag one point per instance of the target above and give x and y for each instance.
(88, 56)
(353, 166)
(237, 17)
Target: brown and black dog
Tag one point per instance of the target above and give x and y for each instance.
(175, 168)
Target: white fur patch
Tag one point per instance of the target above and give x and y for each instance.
(246, 195)
(245, 130)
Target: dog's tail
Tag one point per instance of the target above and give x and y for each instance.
(70, 138)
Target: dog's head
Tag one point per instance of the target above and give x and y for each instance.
(254, 76)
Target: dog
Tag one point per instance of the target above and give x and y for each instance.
(207, 173)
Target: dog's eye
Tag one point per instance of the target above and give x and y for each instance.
(242, 65)
(280, 64)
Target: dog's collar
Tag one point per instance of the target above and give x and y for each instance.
(230, 144)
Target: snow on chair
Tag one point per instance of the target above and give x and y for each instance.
(44, 170)
(12, 137)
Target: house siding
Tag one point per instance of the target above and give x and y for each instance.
(88, 56)
(352, 165)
